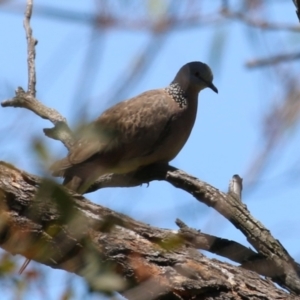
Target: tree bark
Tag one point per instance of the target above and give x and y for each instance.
(42, 221)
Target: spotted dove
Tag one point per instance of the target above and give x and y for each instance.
(149, 128)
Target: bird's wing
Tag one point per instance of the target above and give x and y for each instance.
(131, 128)
(93, 140)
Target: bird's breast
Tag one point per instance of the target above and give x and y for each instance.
(173, 137)
(180, 130)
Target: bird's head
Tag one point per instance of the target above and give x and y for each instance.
(195, 76)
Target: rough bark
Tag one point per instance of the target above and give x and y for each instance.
(41, 221)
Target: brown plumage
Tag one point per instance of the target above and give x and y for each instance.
(149, 128)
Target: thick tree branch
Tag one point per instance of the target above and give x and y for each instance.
(42, 221)
(272, 259)
(281, 266)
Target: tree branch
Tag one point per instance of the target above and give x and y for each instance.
(27, 100)
(272, 259)
(31, 43)
(40, 220)
(283, 269)
(222, 247)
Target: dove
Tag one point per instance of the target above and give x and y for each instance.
(147, 129)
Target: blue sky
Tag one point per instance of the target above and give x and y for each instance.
(228, 132)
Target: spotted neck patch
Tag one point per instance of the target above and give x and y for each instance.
(177, 93)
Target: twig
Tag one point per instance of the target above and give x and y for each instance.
(27, 100)
(31, 43)
(60, 131)
(235, 187)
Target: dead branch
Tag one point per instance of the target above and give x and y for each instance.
(60, 131)
(284, 270)
(27, 99)
(222, 247)
(31, 43)
(42, 221)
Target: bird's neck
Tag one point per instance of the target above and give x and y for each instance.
(181, 95)
(177, 93)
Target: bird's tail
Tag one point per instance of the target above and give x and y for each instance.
(77, 178)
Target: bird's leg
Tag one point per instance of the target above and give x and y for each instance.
(73, 183)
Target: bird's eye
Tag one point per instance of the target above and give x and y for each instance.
(197, 74)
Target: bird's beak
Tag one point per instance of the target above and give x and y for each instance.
(211, 86)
